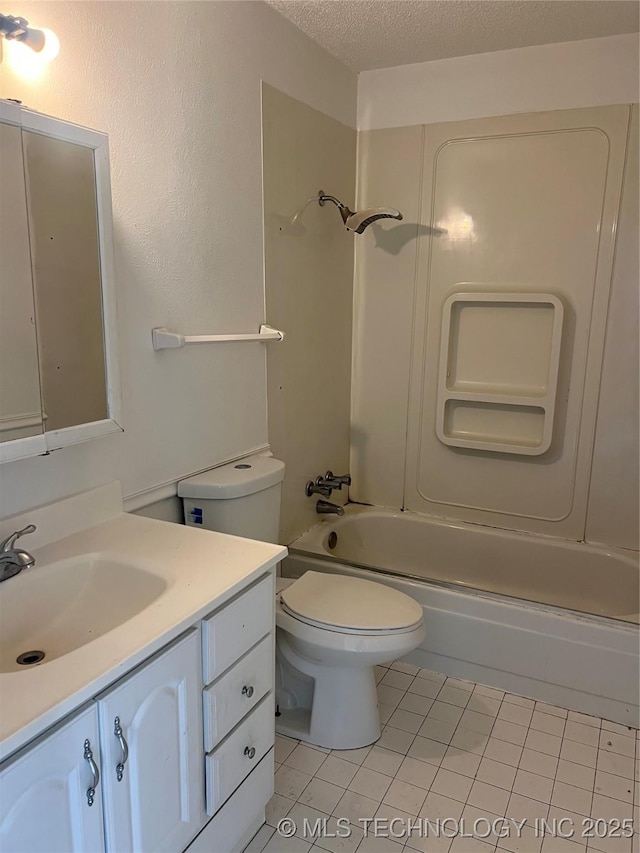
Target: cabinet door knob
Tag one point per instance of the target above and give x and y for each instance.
(250, 751)
(88, 754)
(247, 690)
(117, 730)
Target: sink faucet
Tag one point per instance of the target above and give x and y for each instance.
(327, 508)
(14, 560)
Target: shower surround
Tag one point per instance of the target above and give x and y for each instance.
(454, 382)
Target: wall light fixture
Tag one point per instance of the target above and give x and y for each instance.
(28, 49)
(18, 29)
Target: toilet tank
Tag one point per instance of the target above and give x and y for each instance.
(241, 498)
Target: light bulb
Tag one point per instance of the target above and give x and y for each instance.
(28, 62)
(51, 46)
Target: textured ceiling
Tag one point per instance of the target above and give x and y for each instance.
(368, 34)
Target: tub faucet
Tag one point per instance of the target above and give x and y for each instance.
(14, 560)
(327, 508)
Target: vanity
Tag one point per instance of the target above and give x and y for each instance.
(149, 723)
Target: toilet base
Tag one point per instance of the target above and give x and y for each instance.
(334, 707)
(295, 723)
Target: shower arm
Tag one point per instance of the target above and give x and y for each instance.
(344, 210)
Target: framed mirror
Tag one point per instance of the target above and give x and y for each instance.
(59, 377)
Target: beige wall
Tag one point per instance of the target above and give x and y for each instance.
(561, 76)
(309, 287)
(394, 276)
(176, 85)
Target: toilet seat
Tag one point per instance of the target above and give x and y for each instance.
(350, 605)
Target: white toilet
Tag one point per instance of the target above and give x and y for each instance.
(331, 629)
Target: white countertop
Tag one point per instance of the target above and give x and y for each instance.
(202, 570)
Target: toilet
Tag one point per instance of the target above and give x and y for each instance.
(331, 632)
(331, 629)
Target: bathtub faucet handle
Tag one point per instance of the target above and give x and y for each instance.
(317, 488)
(337, 482)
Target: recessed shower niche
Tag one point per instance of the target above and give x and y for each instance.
(498, 374)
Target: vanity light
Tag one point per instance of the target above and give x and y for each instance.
(29, 49)
(45, 42)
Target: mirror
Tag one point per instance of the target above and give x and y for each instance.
(58, 369)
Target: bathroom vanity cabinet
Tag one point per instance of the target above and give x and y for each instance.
(135, 769)
(44, 803)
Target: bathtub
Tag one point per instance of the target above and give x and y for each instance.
(553, 620)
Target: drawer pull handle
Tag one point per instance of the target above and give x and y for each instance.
(247, 691)
(250, 751)
(91, 792)
(117, 730)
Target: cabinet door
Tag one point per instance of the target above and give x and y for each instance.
(158, 803)
(44, 800)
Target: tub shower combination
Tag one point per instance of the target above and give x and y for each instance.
(543, 617)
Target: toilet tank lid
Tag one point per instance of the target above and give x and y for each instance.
(235, 480)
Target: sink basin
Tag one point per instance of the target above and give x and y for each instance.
(64, 605)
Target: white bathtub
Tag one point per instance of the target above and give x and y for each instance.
(542, 617)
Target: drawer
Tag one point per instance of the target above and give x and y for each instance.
(235, 628)
(235, 757)
(234, 694)
(241, 816)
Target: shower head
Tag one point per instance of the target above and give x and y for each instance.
(358, 220)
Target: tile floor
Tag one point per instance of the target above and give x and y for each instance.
(485, 767)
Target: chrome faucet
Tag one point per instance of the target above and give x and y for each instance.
(325, 485)
(317, 488)
(327, 508)
(14, 560)
(335, 481)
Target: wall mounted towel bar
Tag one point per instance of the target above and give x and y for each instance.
(164, 339)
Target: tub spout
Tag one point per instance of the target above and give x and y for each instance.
(327, 508)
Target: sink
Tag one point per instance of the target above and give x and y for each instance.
(61, 606)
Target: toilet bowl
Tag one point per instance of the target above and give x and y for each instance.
(331, 630)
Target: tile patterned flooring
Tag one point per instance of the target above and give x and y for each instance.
(470, 759)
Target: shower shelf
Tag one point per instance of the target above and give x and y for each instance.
(164, 339)
(499, 362)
